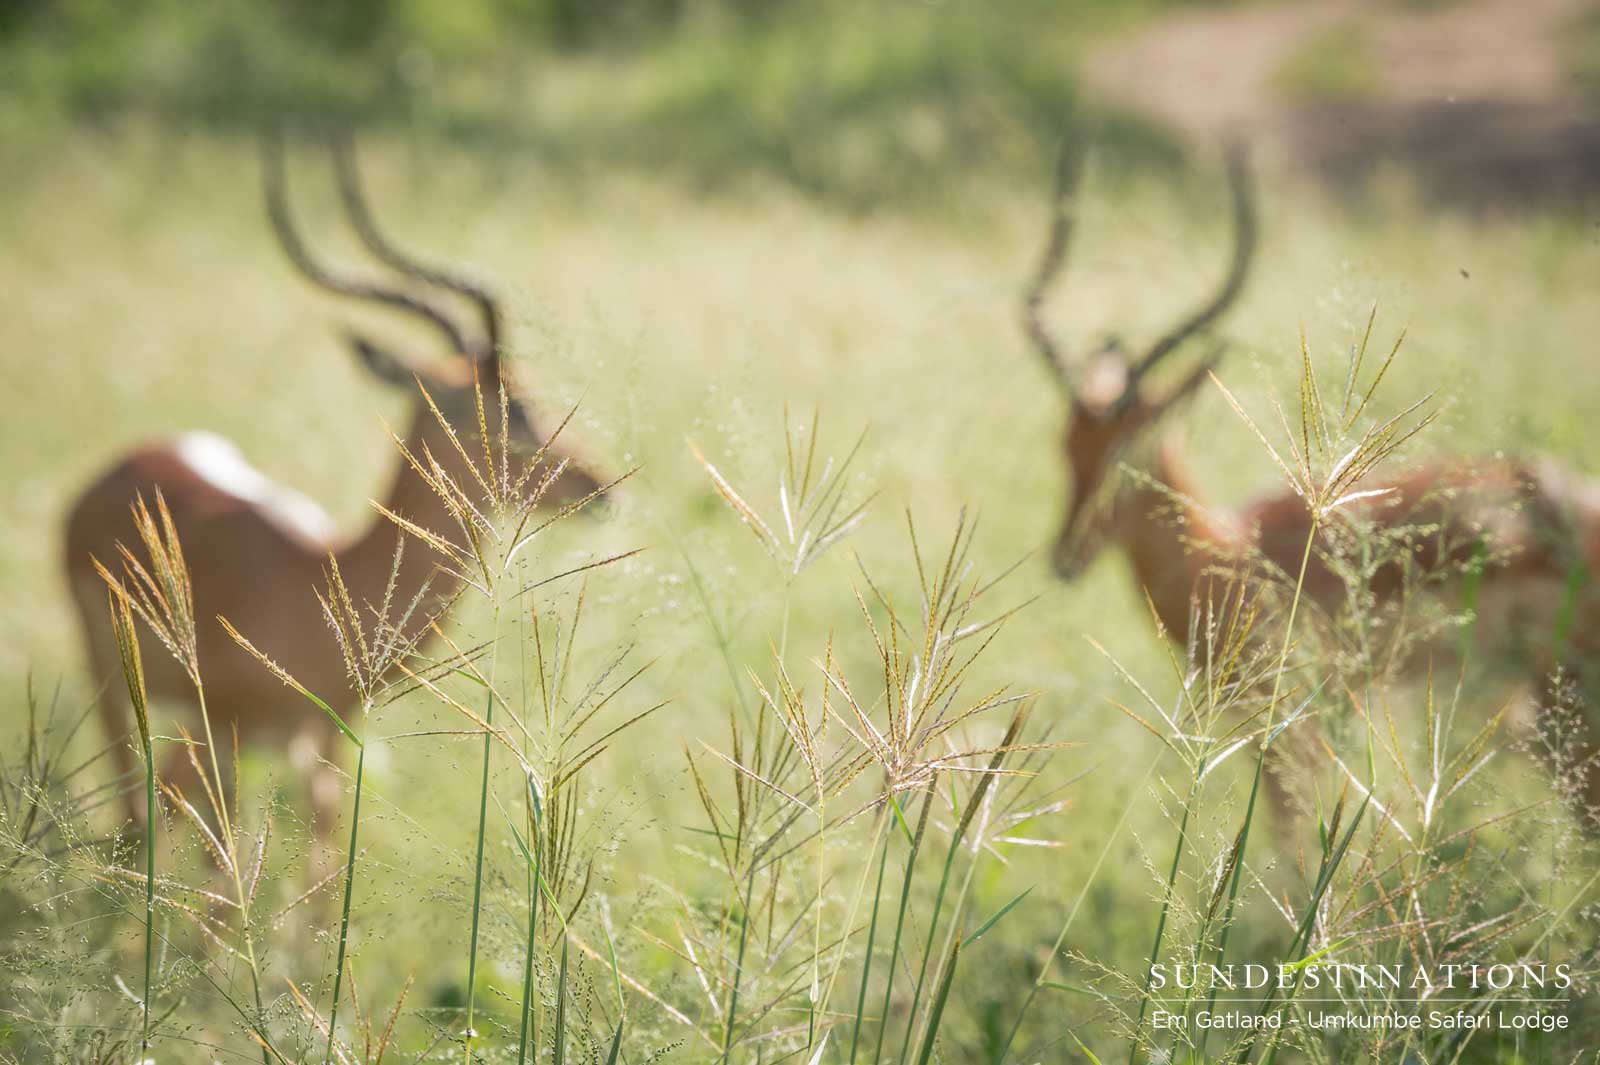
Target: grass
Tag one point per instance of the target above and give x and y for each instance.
(147, 298)
(1582, 53)
(859, 107)
(1335, 66)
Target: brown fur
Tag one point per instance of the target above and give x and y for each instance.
(1538, 526)
(262, 575)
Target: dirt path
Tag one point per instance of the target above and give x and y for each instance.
(1474, 94)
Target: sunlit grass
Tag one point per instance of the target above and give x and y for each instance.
(676, 318)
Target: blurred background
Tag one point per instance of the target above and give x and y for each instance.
(704, 213)
(718, 205)
(854, 103)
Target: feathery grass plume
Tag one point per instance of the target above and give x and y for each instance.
(375, 640)
(1325, 470)
(379, 642)
(815, 516)
(157, 588)
(493, 510)
(159, 591)
(1358, 903)
(1327, 462)
(816, 505)
(833, 768)
(1399, 875)
(372, 661)
(495, 526)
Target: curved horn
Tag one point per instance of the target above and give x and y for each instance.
(1068, 169)
(1244, 241)
(343, 148)
(273, 183)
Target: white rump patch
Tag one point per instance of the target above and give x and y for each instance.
(219, 462)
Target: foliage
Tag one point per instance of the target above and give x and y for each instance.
(599, 891)
(777, 936)
(825, 97)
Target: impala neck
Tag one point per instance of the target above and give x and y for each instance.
(1169, 550)
(367, 561)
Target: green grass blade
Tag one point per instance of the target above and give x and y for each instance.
(1072, 915)
(738, 965)
(349, 889)
(560, 1035)
(900, 819)
(616, 1046)
(1166, 908)
(866, 960)
(525, 1022)
(939, 1000)
(477, 878)
(964, 820)
(1255, 784)
(526, 1027)
(994, 920)
(900, 923)
(616, 971)
(927, 947)
(149, 891)
(1086, 1051)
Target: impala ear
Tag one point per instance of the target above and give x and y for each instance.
(380, 362)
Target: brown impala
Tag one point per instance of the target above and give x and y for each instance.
(1538, 525)
(257, 552)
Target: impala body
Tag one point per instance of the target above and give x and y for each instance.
(258, 553)
(1535, 526)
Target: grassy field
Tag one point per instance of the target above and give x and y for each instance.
(144, 296)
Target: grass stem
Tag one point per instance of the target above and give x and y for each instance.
(477, 867)
(344, 915)
(1261, 757)
(477, 880)
(866, 960)
(149, 892)
(1166, 909)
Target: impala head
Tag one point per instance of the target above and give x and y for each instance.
(471, 356)
(1109, 405)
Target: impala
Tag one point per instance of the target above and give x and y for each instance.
(1537, 526)
(258, 552)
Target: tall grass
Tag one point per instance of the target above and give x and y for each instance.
(1377, 891)
(127, 639)
(157, 588)
(869, 755)
(371, 659)
(850, 886)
